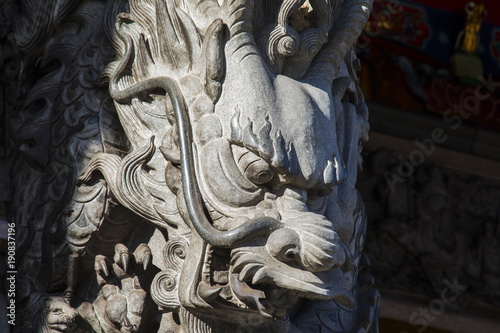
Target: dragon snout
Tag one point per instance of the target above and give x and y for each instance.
(284, 245)
(312, 252)
(68, 318)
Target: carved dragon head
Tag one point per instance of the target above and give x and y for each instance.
(55, 316)
(244, 119)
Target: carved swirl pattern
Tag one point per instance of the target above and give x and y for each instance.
(164, 289)
(175, 252)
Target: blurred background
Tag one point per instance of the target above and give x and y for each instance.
(430, 72)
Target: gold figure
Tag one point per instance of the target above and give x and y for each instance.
(475, 16)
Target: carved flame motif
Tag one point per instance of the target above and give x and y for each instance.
(244, 124)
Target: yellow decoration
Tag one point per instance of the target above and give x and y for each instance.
(475, 15)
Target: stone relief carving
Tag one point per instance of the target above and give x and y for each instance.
(189, 166)
(438, 225)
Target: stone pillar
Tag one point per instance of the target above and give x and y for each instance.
(188, 166)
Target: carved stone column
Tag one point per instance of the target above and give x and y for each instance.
(188, 166)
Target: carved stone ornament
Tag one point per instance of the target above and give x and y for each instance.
(188, 165)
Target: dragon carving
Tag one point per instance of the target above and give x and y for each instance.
(199, 165)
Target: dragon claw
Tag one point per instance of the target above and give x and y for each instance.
(104, 267)
(146, 259)
(125, 259)
(143, 255)
(101, 265)
(122, 256)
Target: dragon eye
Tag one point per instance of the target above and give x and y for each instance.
(255, 168)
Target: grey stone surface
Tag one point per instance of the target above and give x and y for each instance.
(189, 166)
